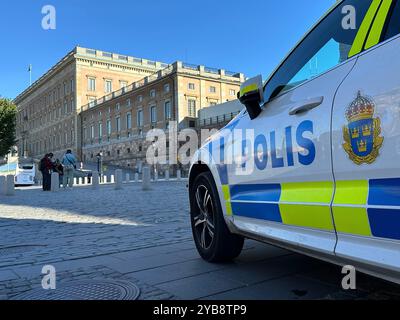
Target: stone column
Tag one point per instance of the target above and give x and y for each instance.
(112, 179)
(118, 179)
(55, 182)
(10, 185)
(3, 185)
(146, 179)
(95, 180)
(76, 181)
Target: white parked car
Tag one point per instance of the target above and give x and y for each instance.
(313, 162)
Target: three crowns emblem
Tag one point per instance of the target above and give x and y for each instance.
(362, 135)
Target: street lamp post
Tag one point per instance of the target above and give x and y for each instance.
(99, 157)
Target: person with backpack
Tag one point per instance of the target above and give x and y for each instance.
(69, 164)
(46, 167)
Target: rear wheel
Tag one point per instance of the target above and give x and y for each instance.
(214, 241)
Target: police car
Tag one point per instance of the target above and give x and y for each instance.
(312, 163)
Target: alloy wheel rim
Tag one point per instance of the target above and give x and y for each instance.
(204, 222)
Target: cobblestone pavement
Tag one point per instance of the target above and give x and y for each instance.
(145, 237)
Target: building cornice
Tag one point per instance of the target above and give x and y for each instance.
(49, 74)
(81, 54)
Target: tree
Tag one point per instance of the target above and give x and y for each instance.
(8, 114)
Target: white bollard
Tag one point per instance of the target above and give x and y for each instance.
(118, 179)
(3, 185)
(95, 180)
(85, 180)
(112, 180)
(55, 182)
(179, 175)
(10, 185)
(76, 181)
(146, 179)
(136, 177)
(156, 176)
(127, 178)
(167, 175)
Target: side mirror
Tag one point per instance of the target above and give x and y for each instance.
(251, 95)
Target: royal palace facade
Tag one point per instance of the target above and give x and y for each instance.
(98, 102)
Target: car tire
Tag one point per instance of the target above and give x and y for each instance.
(214, 241)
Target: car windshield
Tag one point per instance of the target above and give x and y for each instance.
(323, 48)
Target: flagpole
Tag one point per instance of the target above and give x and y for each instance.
(30, 75)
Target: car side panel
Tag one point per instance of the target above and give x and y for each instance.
(366, 208)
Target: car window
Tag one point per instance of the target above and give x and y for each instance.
(393, 27)
(328, 45)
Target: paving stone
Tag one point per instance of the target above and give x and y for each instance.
(286, 288)
(7, 275)
(177, 271)
(199, 286)
(145, 237)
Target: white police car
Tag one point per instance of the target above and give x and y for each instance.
(313, 162)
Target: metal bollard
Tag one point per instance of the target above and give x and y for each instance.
(146, 179)
(179, 175)
(95, 180)
(55, 182)
(3, 185)
(118, 179)
(10, 185)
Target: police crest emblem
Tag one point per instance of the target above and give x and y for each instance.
(362, 135)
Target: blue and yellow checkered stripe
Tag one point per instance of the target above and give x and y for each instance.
(368, 208)
(365, 208)
(298, 204)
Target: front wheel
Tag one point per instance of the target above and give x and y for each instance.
(214, 241)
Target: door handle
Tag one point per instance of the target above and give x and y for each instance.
(304, 106)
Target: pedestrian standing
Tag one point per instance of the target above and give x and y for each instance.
(69, 164)
(46, 168)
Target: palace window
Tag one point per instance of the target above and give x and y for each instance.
(192, 108)
(153, 114)
(91, 84)
(108, 86)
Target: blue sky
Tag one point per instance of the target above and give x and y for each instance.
(248, 36)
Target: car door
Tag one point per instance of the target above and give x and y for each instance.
(283, 186)
(366, 149)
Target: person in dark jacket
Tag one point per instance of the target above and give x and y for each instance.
(46, 168)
